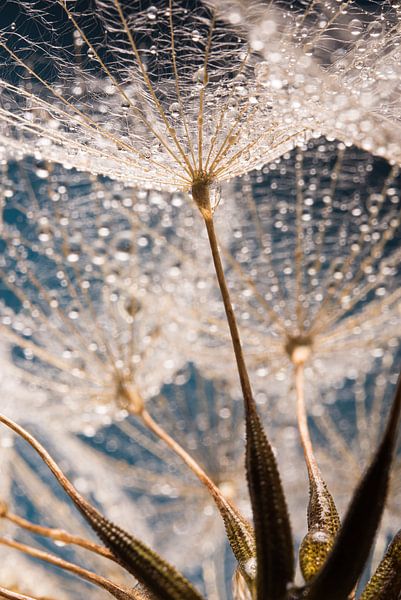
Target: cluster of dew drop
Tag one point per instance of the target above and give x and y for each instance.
(313, 266)
(334, 65)
(311, 287)
(347, 424)
(89, 288)
(203, 417)
(180, 98)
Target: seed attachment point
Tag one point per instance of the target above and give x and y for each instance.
(201, 196)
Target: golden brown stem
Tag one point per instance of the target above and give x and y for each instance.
(220, 500)
(60, 535)
(302, 419)
(232, 323)
(115, 590)
(136, 406)
(201, 195)
(10, 595)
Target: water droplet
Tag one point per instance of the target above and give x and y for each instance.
(103, 231)
(73, 250)
(196, 36)
(45, 231)
(73, 313)
(375, 29)
(201, 77)
(124, 246)
(42, 173)
(174, 109)
(152, 13)
(355, 27)
(320, 536)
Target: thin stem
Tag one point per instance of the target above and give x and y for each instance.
(10, 595)
(136, 406)
(239, 531)
(303, 421)
(113, 589)
(232, 323)
(220, 500)
(59, 535)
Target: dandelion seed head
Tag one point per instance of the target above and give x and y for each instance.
(89, 292)
(165, 98)
(348, 428)
(313, 267)
(337, 63)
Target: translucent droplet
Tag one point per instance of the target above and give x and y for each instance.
(375, 29)
(42, 173)
(73, 313)
(200, 76)
(174, 109)
(124, 246)
(103, 231)
(196, 36)
(355, 27)
(45, 232)
(320, 536)
(74, 252)
(152, 13)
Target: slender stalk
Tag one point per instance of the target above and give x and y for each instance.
(59, 535)
(136, 406)
(115, 590)
(232, 323)
(187, 458)
(229, 512)
(239, 531)
(10, 595)
(302, 419)
(271, 574)
(323, 519)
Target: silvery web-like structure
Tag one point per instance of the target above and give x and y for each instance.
(346, 429)
(155, 95)
(92, 290)
(107, 292)
(82, 263)
(313, 265)
(341, 57)
(28, 498)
